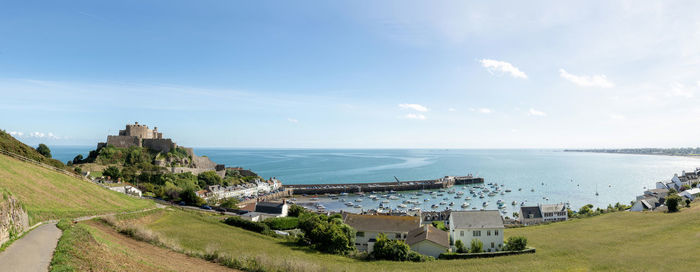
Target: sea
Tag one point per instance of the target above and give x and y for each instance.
(534, 176)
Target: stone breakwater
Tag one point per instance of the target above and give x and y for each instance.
(446, 182)
(13, 218)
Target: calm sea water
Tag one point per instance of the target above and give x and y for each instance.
(553, 174)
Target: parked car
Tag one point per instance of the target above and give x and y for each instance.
(206, 207)
(181, 203)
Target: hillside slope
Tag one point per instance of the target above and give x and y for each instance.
(48, 194)
(12, 145)
(622, 241)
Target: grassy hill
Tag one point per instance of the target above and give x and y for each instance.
(622, 241)
(48, 194)
(10, 144)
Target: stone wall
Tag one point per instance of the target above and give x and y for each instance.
(123, 141)
(203, 162)
(160, 145)
(13, 218)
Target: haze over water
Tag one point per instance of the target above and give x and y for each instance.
(627, 175)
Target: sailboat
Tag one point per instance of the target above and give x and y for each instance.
(596, 190)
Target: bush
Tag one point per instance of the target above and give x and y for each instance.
(672, 202)
(516, 243)
(296, 210)
(393, 250)
(460, 247)
(282, 223)
(247, 225)
(112, 172)
(208, 178)
(44, 150)
(190, 197)
(476, 246)
(78, 159)
(229, 203)
(327, 234)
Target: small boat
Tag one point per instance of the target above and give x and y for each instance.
(426, 200)
(385, 201)
(358, 200)
(452, 203)
(532, 190)
(468, 198)
(514, 203)
(348, 204)
(457, 197)
(460, 193)
(358, 206)
(393, 197)
(443, 203)
(435, 206)
(520, 189)
(402, 206)
(492, 194)
(473, 208)
(465, 204)
(343, 194)
(507, 190)
(485, 204)
(445, 199)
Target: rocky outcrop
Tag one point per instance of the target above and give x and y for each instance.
(13, 217)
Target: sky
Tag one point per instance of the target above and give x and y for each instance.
(354, 74)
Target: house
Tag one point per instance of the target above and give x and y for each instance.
(647, 203)
(690, 193)
(530, 215)
(485, 226)
(428, 240)
(368, 226)
(127, 189)
(658, 193)
(553, 212)
(265, 210)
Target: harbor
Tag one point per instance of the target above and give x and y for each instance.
(397, 185)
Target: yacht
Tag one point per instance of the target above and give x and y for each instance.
(485, 204)
(435, 206)
(443, 203)
(452, 203)
(465, 204)
(358, 206)
(358, 200)
(402, 206)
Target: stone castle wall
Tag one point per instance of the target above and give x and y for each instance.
(160, 145)
(13, 218)
(123, 141)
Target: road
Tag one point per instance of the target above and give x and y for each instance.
(33, 252)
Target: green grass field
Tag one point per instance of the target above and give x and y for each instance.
(622, 241)
(51, 195)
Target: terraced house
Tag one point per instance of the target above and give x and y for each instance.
(369, 226)
(485, 226)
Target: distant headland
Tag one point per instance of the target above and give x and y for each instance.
(685, 151)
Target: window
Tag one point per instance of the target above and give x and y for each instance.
(495, 232)
(461, 233)
(488, 233)
(476, 233)
(360, 234)
(398, 236)
(492, 244)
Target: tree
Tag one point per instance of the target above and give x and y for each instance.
(672, 202)
(112, 172)
(78, 159)
(586, 210)
(515, 215)
(460, 247)
(327, 234)
(516, 243)
(476, 246)
(190, 197)
(208, 178)
(687, 203)
(229, 203)
(394, 250)
(44, 150)
(78, 170)
(295, 210)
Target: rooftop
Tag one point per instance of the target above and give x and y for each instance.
(477, 219)
(553, 207)
(382, 223)
(430, 233)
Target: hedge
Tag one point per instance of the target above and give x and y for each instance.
(248, 225)
(453, 256)
(282, 223)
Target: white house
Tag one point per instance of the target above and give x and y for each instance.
(485, 226)
(368, 226)
(690, 193)
(646, 203)
(428, 240)
(127, 189)
(265, 210)
(553, 212)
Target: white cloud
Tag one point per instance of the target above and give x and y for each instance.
(415, 107)
(534, 112)
(292, 120)
(415, 116)
(698, 83)
(40, 135)
(678, 89)
(16, 133)
(503, 67)
(587, 81)
(481, 110)
(451, 109)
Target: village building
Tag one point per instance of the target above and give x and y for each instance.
(367, 228)
(690, 193)
(530, 215)
(240, 191)
(485, 226)
(265, 210)
(646, 203)
(553, 212)
(428, 240)
(127, 189)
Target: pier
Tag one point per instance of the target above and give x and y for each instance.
(440, 183)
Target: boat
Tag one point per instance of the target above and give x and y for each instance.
(358, 206)
(393, 197)
(358, 200)
(468, 198)
(502, 193)
(402, 206)
(457, 197)
(426, 200)
(440, 194)
(452, 203)
(435, 206)
(385, 201)
(481, 196)
(465, 204)
(445, 199)
(492, 194)
(485, 204)
(514, 203)
(520, 189)
(508, 191)
(343, 194)
(460, 193)
(443, 203)
(532, 190)
(348, 204)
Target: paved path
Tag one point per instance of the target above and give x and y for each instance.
(33, 252)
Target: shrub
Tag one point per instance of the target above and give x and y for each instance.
(516, 243)
(190, 197)
(460, 247)
(296, 210)
(44, 150)
(229, 203)
(672, 202)
(208, 178)
(112, 172)
(327, 234)
(247, 225)
(393, 250)
(476, 246)
(282, 223)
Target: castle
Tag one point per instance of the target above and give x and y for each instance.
(141, 136)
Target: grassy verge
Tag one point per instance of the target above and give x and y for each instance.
(49, 195)
(622, 241)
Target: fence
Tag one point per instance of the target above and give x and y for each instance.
(25, 159)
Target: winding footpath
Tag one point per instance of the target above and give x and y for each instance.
(33, 252)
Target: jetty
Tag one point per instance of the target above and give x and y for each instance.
(440, 183)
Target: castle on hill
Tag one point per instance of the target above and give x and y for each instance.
(141, 136)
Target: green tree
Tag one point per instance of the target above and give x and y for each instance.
(296, 210)
(78, 159)
(687, 203)
(516, 243)
(386, 249)
(476, 246)
(112, 172)
(78, 170)
(685, 187)
(190, 197)
(586, 210)
(460, 247)
(672, 202)
(327, 234)
(229, 203)
(515, 215)
(208, 178)
(44, 150)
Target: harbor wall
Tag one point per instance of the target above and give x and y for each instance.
(311, 189)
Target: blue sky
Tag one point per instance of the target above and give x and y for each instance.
(354, 74)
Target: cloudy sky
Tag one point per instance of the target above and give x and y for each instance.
(354, 74)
